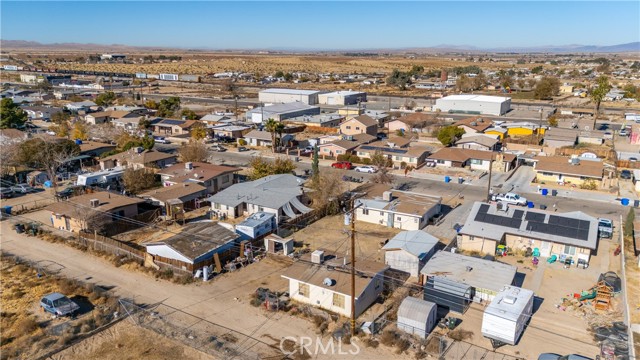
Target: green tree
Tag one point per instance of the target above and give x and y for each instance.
(546, 88)
(261, 167)
(598, 94)
(275, 128)
(189, 114)
(449, 134)
(288, 77)
(628, 223)
(278, 74)
(464, 83)
(315, 165)
(399, 78)
(150, 104)
(11, 115)
(60, 117)
(106, 98)
(168, 107)
(144, 124)
(553, 121)
(198, 131)
(537, 69)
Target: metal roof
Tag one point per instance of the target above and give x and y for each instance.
(273, 191)
(290, 91)
(414, 311)
(416, 242)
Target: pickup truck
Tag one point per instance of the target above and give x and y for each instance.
(605, 228)
(510, 198)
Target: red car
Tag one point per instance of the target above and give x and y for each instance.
(342, 165)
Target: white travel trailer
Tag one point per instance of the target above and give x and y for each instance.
(507, 315)
(100, 177)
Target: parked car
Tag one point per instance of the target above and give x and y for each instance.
(70, 191)
(633, 159)
(552, 356)
(218, 148)
(625, 174)
(510, 198)
(242, 148)
(161, 140)
(342, 165)
(22, 188)
(6, 193)
(367, 169)
(605, 228)
(308, 149)
(608, 135)
(59, 304)
(623, 132)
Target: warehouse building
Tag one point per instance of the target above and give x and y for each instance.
(342, 98)
(474, 104)
(277, 96)
(280, 112)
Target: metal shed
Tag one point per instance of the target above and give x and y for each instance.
(447, 293)
(417, 317)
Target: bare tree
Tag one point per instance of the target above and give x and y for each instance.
(194, 151)
(48, 154)
(327, 186)
(383, 163)
(8, 158)
(105, 132)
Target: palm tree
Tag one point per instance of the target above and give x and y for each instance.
(272, 126)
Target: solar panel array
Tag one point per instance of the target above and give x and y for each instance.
(385, 149)
(533, 216)
(562, 226)
(173, 122)
(512, 222)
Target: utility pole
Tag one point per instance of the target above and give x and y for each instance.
(540, 125)
(489, 182)
(353, 268)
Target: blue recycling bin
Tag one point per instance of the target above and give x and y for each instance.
(545, 192)
(447, 179)
(624, 202)
(530, 204)
(6, 210)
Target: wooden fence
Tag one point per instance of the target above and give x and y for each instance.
(130, 223)
(113, 246)
(600, 152)
(628, 164)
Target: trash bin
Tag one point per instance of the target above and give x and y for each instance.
(447, 179)
(636, 203)
(530, 204)
(543, 207)
(624, 202)
(554, 192)
(6, 210)
(19, 228)
(545, 192)
(460, 179)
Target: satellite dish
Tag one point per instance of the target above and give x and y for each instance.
(328, 282)
(586, 128)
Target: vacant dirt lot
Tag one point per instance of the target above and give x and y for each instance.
(331, 234)
(127, 341)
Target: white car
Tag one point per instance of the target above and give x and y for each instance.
(22, 188)
(366, 168)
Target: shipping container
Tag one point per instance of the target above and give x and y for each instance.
(141, 76)
(168, 77)
(191, 78)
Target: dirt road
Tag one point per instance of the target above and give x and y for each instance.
(214, 301)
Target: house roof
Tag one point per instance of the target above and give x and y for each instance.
(257, 134)
(340, 273)
(496, 129)
(283, 108)
(573, 228)
(99, 114)
(415, 242)
(13, 133)
(478, 123)
(77, 205)
(560, 134)
(200, 172)
(197, 239)
(365, 120)
(145, 157)
(257, 219)
(561, 165)
(462, 155)
(358, 140)
(93, 145)
(472, 271)
(416, 117)
(273, 191)
(174, 191)
(403, 202)
(472, 97)
(478, 139)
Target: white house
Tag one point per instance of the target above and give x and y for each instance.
(397, 209)
(417, 316)
(327, 284)
(507, 315)
(409, 251)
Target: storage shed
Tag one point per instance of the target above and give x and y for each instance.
(409, 251)
(417, 317)
(453, 295)
(505, 318)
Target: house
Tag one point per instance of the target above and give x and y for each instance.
(409, 251)
(173, 126)
(478, 142)
(346, 145)
(187, 194)
(397, 209)
(566, 89)
(417, 317)
(12, 136)
(282, 195)
(596, 137)
(92, 211)
(557, 169)
(212, 119)
(474, 124)
(80, 106)
(394, 126)
(128, 123)
(507, 315)
(328, 120)
(257, 225)
(96, 118)
(500, 132)
(41, 112)
(397, 150)
(572, 234)
(213, 177)
(280, 112)
(196, 243)
(474, 159)
(326, 283)
(138, 158)
(362, 124)
(94, 148)
(558, 137)
(229, 131)
(523, 129)
(484, 278)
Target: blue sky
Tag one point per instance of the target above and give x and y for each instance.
(322, 25)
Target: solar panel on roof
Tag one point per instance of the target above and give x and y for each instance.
(517, 214)
(483, 208)
(173, 122)
(537, 217)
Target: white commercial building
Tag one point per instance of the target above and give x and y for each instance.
(342, 98)
(505, 318)
(474, 104)
(309, 97)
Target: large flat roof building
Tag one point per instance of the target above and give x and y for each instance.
(280, 112)
(474, 104)
(309, 97)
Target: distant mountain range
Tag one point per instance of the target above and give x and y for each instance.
(443, 48)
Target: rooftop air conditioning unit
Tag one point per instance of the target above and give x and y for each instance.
(188, 165)
(94, 203)
(387, 196)
(317, 257)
